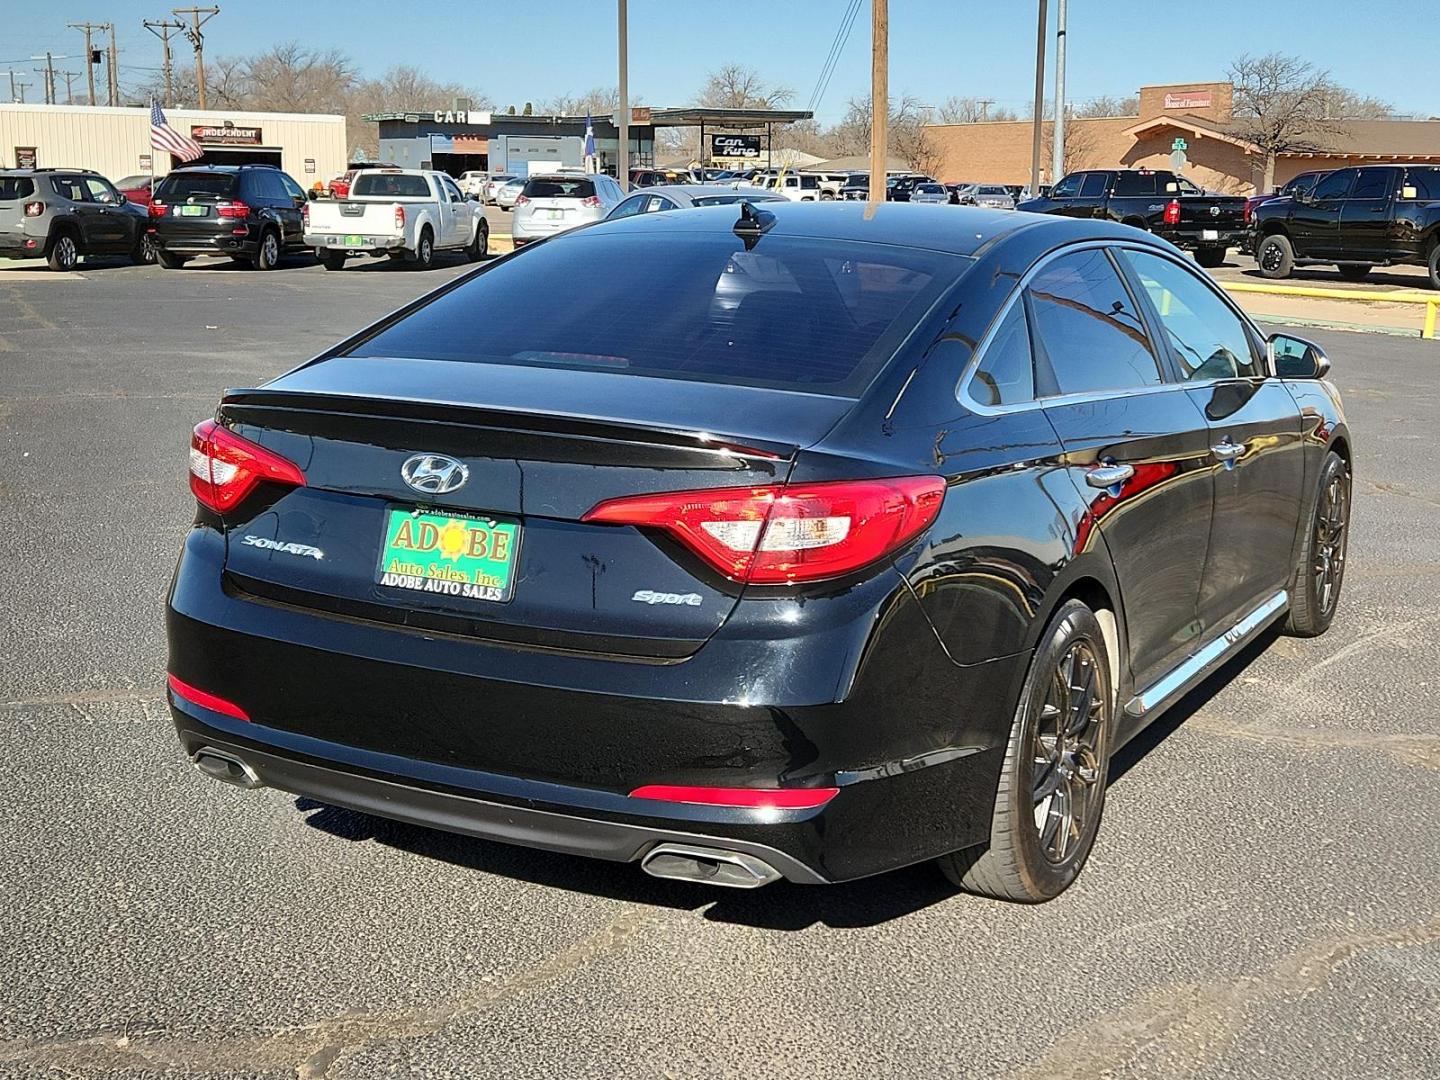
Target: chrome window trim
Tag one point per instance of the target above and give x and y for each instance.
(962, 388)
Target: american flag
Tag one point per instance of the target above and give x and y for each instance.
(164, 137)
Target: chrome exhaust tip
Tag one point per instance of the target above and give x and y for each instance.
(226, 768)
(708, 866)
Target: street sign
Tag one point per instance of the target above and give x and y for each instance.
(1178, 160)
(1179, 144)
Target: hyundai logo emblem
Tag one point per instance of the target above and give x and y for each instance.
(434, 474)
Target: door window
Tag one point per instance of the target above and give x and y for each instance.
(451, 191)
(1208, 338)
(1006, 373)
(70, 187)
(1094, 186)
(1375, 184)
(1068, 187)
(101, 191)
(1087, 334)
(1334, 186)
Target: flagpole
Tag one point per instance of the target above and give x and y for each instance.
(152, 156)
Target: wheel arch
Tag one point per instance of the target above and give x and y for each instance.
(63, 227)
(1091, 580)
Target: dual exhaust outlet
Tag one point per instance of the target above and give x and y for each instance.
(676, 862)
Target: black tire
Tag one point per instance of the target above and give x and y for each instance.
(479, 245)
(1136, 223)
(1315, 589)
(144, 252)
(267, 252)
(1275, 256)
(332, 260)
(1433, 263)
(425, 249)
(1060, 776)
(1210, 257)
(169, 261)
(396, 256)
(64, 253)
(1354, 273)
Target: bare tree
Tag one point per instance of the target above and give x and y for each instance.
(401, 89)
(970, 110)
(905, 132)
(736, 86)
(1280, 106)
(1105, 105)
(1078, 151)
(597, 101)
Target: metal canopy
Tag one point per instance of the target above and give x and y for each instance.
(697, 117)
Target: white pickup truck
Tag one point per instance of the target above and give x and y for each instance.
(403, 213)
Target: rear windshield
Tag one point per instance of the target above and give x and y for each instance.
(556, 187)
(178, 186)
(930, 189)
(16, 187)
(390, 185)
(794, 313)
(1134, 183)
(993, 191)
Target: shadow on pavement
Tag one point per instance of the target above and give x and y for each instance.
(781, 906)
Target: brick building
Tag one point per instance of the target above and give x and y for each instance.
(1198, 113)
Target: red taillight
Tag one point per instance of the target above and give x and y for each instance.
(305, 216)
(224, 468)
(157, 209)
(787, 533)
(521, 200)
(399, 219)
(205, 700)
(750, 798)
(590, 200)
(34, 209)
(1172, 213)
(232, 210)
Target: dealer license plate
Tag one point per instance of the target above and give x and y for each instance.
(556, 215)
(1209, 234)
(353, 241)
(460, 555)
(192, 211)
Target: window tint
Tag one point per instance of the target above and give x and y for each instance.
(1135, 183)
(100, 190)
(1087, 334)
(631, 206)
(809, 183)
(1301, 184)
(177, 187)
(16, 187)
(1426, 183)
(561, 187)
(294, 190)
(796, 313)
(70, 187)
(451, 191)
(1094, 185)
(262, 184)
(1209, 339)
(1006, 373)
(1068, 187)
(1375, 184)
(1335, 185)
(393, 185)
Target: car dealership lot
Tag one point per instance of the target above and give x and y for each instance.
(1261, 903)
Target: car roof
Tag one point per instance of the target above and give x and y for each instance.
(709, 191)
(955, 230)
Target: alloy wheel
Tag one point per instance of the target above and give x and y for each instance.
(272, 249)
(1330, 540)
(1270, 258)
(1068, 752)
(65, 248)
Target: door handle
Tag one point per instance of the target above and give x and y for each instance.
(1228, 451)
(1107, 476)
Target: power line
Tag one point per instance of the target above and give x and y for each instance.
(164, 29)
(88, 28)
(832, 59)
(197, 39)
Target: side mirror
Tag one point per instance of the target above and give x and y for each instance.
(1296, 358)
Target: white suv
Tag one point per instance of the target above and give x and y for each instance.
(554, 202)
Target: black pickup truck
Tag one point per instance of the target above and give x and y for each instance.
(1155, 200)
(1354, 219)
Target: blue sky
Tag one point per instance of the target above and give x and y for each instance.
(519, 51)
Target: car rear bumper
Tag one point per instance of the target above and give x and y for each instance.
(218, 243)
(367, 242)
(384, 721)
(21, 246)
(1190, 239)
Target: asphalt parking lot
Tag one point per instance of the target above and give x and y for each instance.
(1262, 901)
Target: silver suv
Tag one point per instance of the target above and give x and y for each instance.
(63, 214)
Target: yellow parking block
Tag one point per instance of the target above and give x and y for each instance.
(1430, 300)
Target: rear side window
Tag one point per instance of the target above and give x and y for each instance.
(177, 187)
(1006, 373)
(794, 313)
(390, 185)
(1094, 185)
(16, 187)
(1087, 334)
(1425, 184)
(1208, 338)
(1375, 183)
(556, 187)
(70, 187)
(1134, 183)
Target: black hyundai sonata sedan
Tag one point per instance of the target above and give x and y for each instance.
(756, 543)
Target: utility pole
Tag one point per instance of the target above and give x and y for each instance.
(87, 29)
(879, 100)
(164, 29)
(1057, 153)
(1038, 121)
(69, 77)
(622, 166)
(114, 71)
(197, 39)
(985, 104)
(14, 86)
(49, 72)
